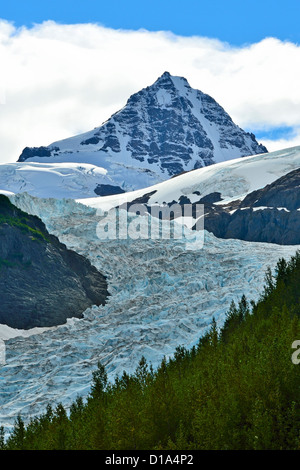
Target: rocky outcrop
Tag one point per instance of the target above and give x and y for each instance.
(270, 214)
(30, 152)
(42, 283)
(282, 193)
(108, 190)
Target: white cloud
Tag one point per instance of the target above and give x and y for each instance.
(59, 80)
(282, 143)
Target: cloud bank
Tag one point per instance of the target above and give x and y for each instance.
(60, 80)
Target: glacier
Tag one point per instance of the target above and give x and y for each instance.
(162, 295)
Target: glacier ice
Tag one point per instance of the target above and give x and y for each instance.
(162, 295)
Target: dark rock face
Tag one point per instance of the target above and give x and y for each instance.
(42, 283)
(268, 215)
(268, 225)
(284, 192)
(31, 152)
(107, 190)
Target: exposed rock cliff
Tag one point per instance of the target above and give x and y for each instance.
(42, 283)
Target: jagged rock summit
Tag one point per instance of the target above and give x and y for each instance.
(163, 130)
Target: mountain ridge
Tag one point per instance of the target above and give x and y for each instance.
(163, 130)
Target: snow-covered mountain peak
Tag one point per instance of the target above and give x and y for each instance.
(163, 130)
(170, 82)
(163, 93)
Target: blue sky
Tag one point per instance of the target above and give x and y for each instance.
(234, 21)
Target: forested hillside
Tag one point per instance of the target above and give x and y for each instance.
(237, 389)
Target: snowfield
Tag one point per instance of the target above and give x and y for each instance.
(59, 180)
(233, 179)
(163, 294)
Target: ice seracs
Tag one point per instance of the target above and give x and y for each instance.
(59, 180)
